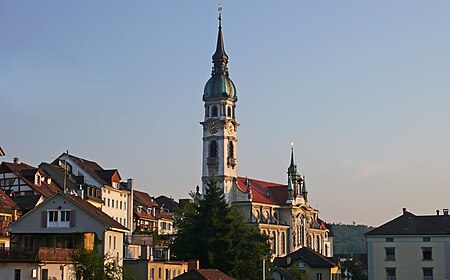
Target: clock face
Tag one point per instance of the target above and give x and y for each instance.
(213, 127)
(230, 128)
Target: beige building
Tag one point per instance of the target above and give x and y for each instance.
(410, 247)
(281, 211)
(305, 264)
(156, 270)
(44, 240)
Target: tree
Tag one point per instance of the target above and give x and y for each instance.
(212, 231)
(92, 266)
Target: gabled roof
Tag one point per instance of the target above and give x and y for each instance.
(95, 212)
(264, 192)
(204, 274)
(167, 202)
(92, 168)
(143, 199)
(7, 202)
(410, 224)
(25, 172)
(310, 257)
(144, 215)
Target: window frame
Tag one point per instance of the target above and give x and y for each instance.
(389, 253)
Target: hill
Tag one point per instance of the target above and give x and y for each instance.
(349, 238)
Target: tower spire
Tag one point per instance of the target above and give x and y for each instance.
(220, 58)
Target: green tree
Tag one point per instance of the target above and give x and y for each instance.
(212, 231)
(92, 266)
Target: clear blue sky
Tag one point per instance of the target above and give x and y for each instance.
(361, 87)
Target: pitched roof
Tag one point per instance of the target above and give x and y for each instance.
(26, 202)
(24, 172)
(310, 257)
(167, 202)
(265, 192)
(410, 224)
(94, 211)
(204, 274)
(6, 202)
(92, 168)
(144, 215)
(143, 199)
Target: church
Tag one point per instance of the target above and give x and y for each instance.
(280, 211)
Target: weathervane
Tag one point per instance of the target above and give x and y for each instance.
(220, 13)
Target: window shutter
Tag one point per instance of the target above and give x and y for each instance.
(73, 218)
(44, 219)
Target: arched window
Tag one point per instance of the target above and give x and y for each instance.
(326, 250)
(214, 111)
(229, 111)
(230, 149)
(283, 243)
(213, 149)
(222, 113)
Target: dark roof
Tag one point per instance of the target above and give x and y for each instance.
(56, 172)
(167, 202)
(284, 274)
(24, 172)
(312, 258)
(26, 202)
(410, 224)
(143, 199)
(91, 167)
(204, 274)
(361, 259)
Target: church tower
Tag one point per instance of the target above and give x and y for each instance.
(219, 125)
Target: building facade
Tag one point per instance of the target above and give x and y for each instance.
(410, 247)
(281, 211)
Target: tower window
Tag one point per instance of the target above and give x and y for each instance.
(206, 111)
(214, 111)
(229, 112)
(223, 110)
(213, 149)
(230, 149)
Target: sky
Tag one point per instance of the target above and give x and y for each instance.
(361, 87)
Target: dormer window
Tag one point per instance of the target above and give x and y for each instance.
(115, 185)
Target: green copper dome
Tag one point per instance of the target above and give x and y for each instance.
(219, 86)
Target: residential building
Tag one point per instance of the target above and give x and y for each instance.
(101, 187)
(26, 185)
(45, 240)
(156, 270)
(9, 212)
(410, 247)
(281, 211)
(305, 264)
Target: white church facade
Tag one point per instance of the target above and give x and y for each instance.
(281, 211)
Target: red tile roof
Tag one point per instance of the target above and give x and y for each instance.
(265, 192)
(206, 274)
(7, 202)
(144, 215)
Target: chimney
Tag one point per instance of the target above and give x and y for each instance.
(404, 211)
(445, 211)
(16, 160)
(130, 183)
(437, 212)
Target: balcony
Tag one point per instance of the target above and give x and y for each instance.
(43, 254)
